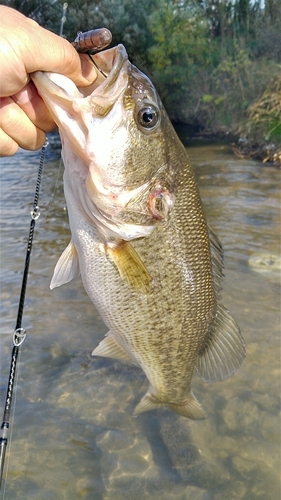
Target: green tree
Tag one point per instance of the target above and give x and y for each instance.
(210, 59)
(47, 13)
(180, 49)
(126, 19)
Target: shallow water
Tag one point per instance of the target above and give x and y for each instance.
(73, 434)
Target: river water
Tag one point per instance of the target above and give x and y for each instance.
(73, 434)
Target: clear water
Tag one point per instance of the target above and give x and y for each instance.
(73, 434)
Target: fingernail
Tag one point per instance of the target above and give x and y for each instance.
(24, 96)
(89, 71)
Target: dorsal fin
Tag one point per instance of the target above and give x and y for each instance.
(224, 351)
(217, 261)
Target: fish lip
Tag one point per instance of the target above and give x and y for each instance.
(113, 62)
(119, 58)
(46, 85)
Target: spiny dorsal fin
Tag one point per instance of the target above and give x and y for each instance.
(130, 266)
(109, 348)
(67, 267)
(224, 351)
(217, 261)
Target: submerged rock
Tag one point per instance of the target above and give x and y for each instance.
(268, 264)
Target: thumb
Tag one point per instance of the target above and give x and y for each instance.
(59, 56)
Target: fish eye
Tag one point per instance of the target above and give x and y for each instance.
(148, 117)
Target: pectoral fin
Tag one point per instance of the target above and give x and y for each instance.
(67, 267)
(109, 348)
(224, 351)
(130, 266)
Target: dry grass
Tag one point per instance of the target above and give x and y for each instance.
(266, 112)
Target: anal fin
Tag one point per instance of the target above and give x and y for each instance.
(130, 266)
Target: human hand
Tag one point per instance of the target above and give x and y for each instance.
(26, 47)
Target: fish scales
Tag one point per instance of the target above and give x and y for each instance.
(139, 239)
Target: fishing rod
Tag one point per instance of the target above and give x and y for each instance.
(19, 332)
(87, 42)
(63, 19)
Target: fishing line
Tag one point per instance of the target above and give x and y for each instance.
(92, 41)
(95, 64)
(19, 332)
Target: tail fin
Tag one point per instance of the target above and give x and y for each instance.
(189, 407)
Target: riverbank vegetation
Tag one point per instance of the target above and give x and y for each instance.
(215, 63)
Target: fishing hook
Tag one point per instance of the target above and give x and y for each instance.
(93, 41)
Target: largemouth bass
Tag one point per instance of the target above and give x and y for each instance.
(140, 241)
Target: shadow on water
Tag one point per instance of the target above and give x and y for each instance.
(177, 456)
(74, 436)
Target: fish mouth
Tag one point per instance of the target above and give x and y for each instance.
(86, 117)
(73, 109)
(111, 64)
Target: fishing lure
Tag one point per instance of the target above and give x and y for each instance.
(92, 41)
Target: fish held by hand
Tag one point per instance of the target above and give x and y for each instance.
(140, 240)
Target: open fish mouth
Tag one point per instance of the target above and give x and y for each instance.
(100, 124)
(58, 90)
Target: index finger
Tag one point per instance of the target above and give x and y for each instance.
(27, 47)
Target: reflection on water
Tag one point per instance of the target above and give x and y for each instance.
(73, 433)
